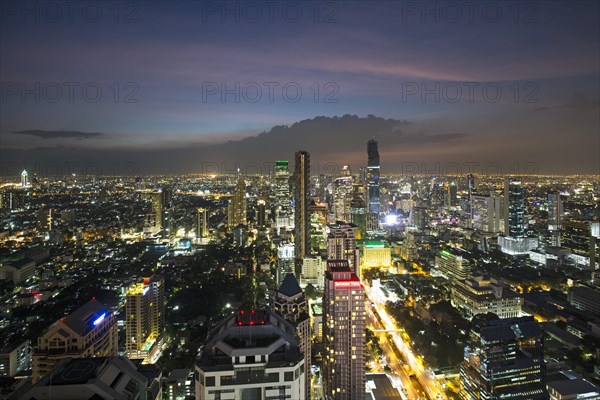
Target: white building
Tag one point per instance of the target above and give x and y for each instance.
(480, 295)
(313, 271)
(254, 355)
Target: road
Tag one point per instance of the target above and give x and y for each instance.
(423, 374)
(398, 366)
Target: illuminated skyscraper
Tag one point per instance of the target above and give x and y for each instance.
(373, 171)
(341, 244)
(514, 195)
(144, 317)
(516, 239)
(283, 208)
(202, 223)
(555, 216)
(24, 180)
(342, 194)
(486, 212)
(358, 214)
(261, 213)
(301, 204)
(504, 359)
(237, 209)
(344, 335)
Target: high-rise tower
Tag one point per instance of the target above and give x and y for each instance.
(344, 335)
(505, 359)
(373, 170)
(301, 202)
(514, 196)
(237, 210)
(555, 216)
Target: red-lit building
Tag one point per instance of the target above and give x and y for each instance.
(344, 335)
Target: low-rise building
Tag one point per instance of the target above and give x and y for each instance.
(18, 271)
(481, 294)
(98, 378)
(90, 331)
(15, 358)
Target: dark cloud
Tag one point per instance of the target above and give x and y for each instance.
(60, 134)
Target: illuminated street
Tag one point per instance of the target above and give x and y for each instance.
(424, 374)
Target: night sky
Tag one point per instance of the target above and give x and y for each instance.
(514, 83)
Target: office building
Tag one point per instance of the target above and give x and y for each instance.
(373, 175)
(24, 180)
(90, 331)
(585, 298)
(291, 304)
(252, 354)
(12, 199)
(573, 389)
(452, 263)
(486, 212)
(301, 207)
(504, 359)
(377, 254)
(577, 236)
(145, 318)
(15, 358)
(18, 271)
(98, 378)
(261, 213)
(358, 214)
(344, 334)
(284, 213)
(201, 223)
(180, 384)
(555, 216)
(342, 194)
(480, 295)
(238, 208)
(341, 244)
(313, 271)
(516, 239)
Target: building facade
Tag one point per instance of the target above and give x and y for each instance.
(504, 360)
(253, 354)
(90, 331)
(344, 333)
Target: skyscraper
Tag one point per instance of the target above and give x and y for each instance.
(514, 214)
(342, 194)
(201, 223)
(344, 322)
(486, 212)
(291, 304)
(237, 209)
(144, 317)
(516, 239)
(555, 216)
(504, 359)
(358, 215)
(301, 211)
(24, 180)
(373, 171)
(341, 244)
(283, 209)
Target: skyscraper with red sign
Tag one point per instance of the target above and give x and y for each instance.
(344, 335)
